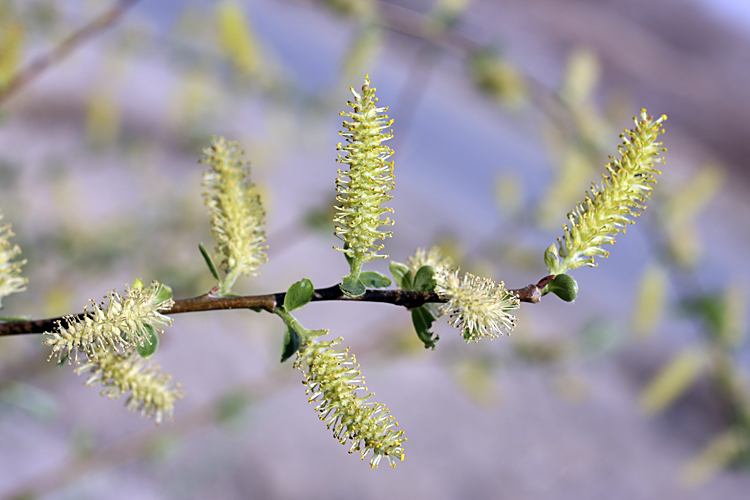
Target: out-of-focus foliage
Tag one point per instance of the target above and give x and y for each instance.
(498, 78)
(236, 37)
(11, 47)
(651, 300)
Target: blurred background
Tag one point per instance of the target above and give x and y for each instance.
(505, 112)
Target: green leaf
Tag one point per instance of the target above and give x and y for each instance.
(422, 319)
(424, 280)
(291, 343)
(209, 262)
(63, 358)
(299, 294)
(138, 284)
(352, 287)
(163, 294)
(564, 287)
(372, 279)
(150, 342)
(708, 308)
(402, 275)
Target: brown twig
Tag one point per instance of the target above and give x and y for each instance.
(29, 73)
(207, 302)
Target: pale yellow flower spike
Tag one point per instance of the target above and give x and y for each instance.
(333, 379)
(152, 392)
(11, 280)
(120, 324)
(610, 207)
(363, 188)
(237, 215)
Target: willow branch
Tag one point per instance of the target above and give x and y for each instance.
(29, 73)
(208, 302)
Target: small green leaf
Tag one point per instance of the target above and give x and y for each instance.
(564, 287)
(372, 279)
(150, 342)
(422, 319)
(708, 308)
(291, 343)
(352, 287)
(63, 358)
(551, 259)
(402, 275)
(163, 294)
(209, 262)
(299, 294)
(138, 284)
(424, 280)
(256, 309)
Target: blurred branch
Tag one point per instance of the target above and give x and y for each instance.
(421, 26)
(413, 90)
(29, 73)
(207, 302)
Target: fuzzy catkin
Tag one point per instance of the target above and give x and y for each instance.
(11, 280)
(152, 392)
(477, 306)
(118, 324)
(365, 185)
(333, 378)
(237, 215)
(610, 207)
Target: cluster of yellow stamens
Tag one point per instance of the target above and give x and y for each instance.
(476, 306)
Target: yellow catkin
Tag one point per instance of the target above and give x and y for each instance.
(152, 392)
(610, 207)
(365, 185)
(333, 378)
(237, 215)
